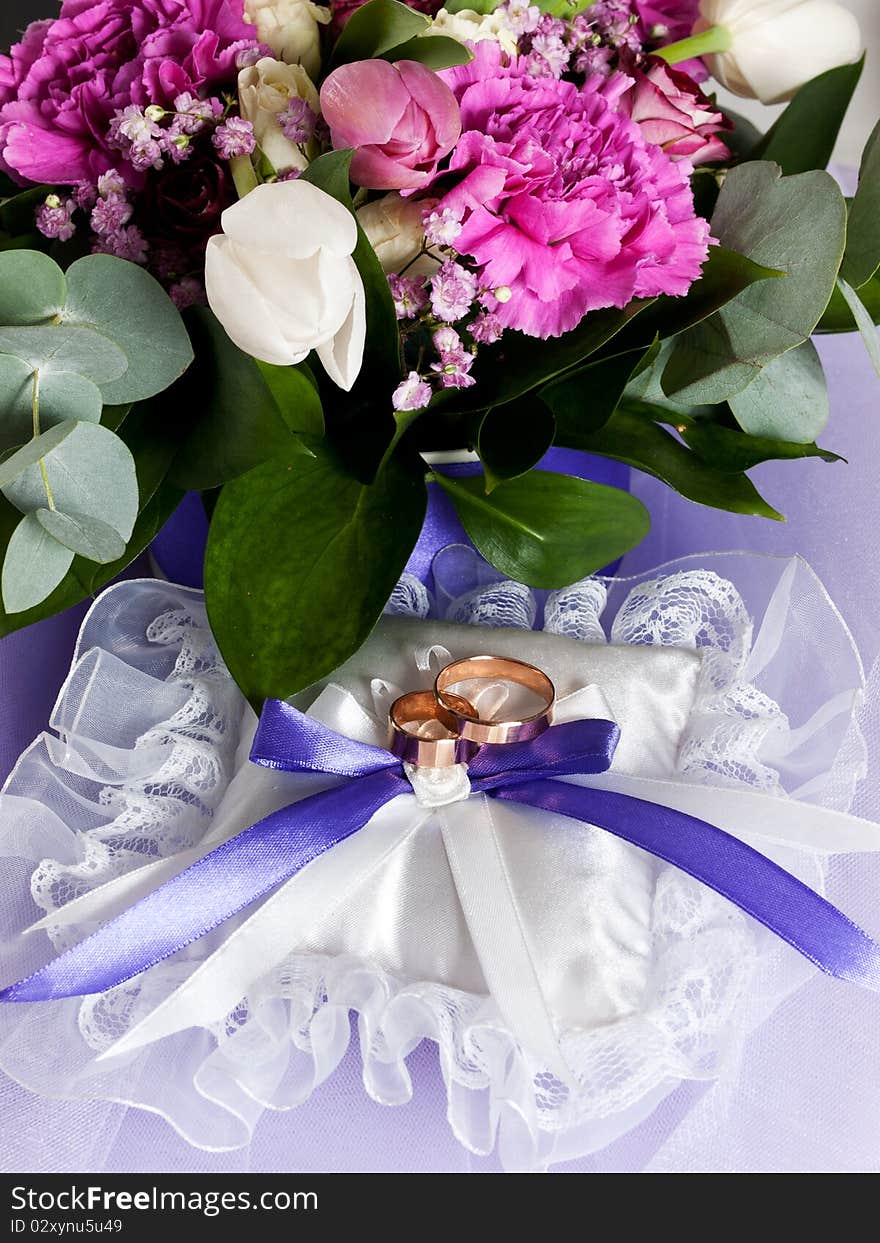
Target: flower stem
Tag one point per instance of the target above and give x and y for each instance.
(715, 39)
(35, 418)
(243, 174)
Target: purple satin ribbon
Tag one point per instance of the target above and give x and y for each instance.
(179, 548)
(255, 862)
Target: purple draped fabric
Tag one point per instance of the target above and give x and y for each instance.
(832, 519)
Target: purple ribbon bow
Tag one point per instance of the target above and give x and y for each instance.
(255, 862)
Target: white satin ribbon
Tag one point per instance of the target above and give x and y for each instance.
(494, 919)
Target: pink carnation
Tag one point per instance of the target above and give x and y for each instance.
(62, 84)
(562, 199)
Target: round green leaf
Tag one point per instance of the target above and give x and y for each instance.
(123, 302)
(82, 534)
(56, 349)
(794, 224)
(32, 287)
(27, 457)
(787, 400)
(89, 471)
(34, 565)
(548, 530)
(62, 395)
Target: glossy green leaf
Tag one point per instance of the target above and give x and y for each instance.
(434, 51)
(32, 287)
(548, 530)
(237, 423)
(588, 398)
(513, 438)
(17, 213)
(787, 400)
(33, 566)
(296, 397)
(518, 364)
(66, 349)
(83, 534)
(839, 318)
(123, 302)
(803, 137)
(862, 257)
(864, 322)
(301, 561)
(630, 437)
(729, 450)
(795, 224)
(376, 28)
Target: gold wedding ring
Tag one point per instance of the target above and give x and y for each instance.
(427, 732)
(474, 728)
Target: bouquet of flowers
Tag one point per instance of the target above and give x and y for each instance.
(277, 252)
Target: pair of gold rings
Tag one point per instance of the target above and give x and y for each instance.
(438, 728)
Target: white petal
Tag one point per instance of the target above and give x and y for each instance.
(242, 310)
(292, 218)
(343, 357)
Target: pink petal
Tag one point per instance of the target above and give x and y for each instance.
(435, 97)
(363, 102)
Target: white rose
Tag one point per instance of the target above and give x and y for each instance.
(394, 229)
(282, 282)
(291, 28)
(775, 46)
(264, 91)
(469, 27)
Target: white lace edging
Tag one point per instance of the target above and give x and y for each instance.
(99, 809)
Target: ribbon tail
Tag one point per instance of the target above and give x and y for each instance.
(210, 891)
(754, 883)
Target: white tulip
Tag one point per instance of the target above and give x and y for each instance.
(291, 28)
(394, 229)
(468, 26)
(775, 46)
(282, 282)
(264, 91)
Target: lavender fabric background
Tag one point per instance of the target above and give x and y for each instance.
(833, 515)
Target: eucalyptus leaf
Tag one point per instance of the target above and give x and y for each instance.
(123, 302)
(862, 257)
(66, 349)
(62, 395)
(301, 561)
(29, 455)
(631, 437)
(803, 136)
(237, 422)
(375, 28)
(787, 400)
(34, 565)
(545, 529)
(32, 287)
(796, 224)
(434, 51)
(83, 534)
(513, 438)
(85, 469)
(864, 323)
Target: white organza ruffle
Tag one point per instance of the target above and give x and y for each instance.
(151, 731)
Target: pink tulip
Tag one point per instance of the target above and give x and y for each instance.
(401, 119)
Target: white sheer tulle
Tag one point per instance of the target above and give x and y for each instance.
(150, 761)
